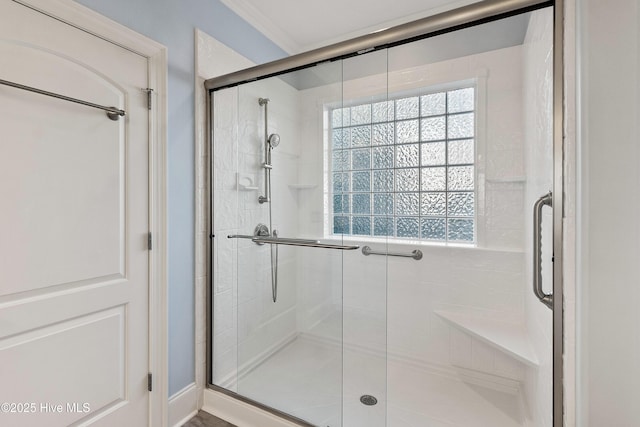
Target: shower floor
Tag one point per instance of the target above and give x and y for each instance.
(305, 379)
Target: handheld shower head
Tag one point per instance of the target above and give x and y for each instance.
(273, 140)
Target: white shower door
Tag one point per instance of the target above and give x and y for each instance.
(73, 226)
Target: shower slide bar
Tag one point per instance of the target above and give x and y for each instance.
(415, 254)
(112, 112)
(292, 242)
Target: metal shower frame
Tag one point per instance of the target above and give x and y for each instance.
(460, 18)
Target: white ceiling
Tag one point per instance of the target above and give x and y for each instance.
(300, 25)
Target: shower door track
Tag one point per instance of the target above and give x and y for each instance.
(446, 22)
(431, 26)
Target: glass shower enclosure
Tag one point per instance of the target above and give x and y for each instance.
(372, 254)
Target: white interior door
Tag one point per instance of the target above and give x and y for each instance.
(73, 227)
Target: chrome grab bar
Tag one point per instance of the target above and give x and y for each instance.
(292, 242)
(415, 254)
(546, 200)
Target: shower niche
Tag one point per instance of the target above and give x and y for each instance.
(440, 145)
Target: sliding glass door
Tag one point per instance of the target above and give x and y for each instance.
(380, 221)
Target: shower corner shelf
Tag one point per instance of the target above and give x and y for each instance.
(247, 188)
(512, 340)
(302, 186)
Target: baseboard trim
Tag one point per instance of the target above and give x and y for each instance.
(183, 405)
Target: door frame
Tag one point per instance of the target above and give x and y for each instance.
(94, 23)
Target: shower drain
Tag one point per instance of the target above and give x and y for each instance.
(368, 400)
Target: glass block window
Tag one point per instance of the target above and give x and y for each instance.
(405, 168)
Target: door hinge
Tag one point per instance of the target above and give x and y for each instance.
(149, 97)
(150, 381)
(149, 241)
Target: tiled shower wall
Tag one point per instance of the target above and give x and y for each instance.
(247, 323)
(399, 296)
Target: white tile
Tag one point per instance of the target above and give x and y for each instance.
(438, 347)
(461, 349)
(482, 356)
(223, 311)
(507, 366)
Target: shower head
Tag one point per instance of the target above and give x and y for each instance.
(273, 140)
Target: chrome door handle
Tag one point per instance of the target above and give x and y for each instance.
(546, 200)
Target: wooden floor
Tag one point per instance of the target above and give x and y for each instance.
(203, 419)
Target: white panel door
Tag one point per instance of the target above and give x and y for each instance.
(73, 228)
